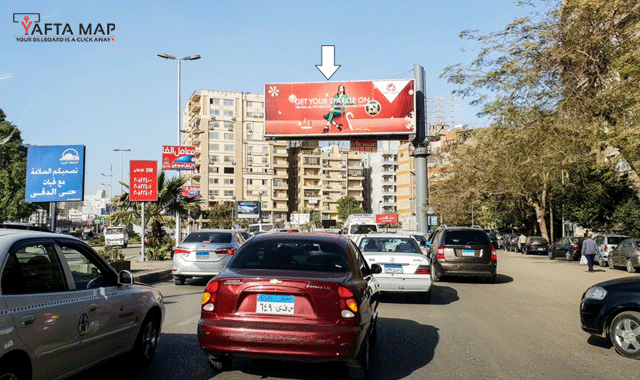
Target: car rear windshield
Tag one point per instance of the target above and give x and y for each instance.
(116, 230)
(295, 255)
(466, 237)
(615, 239)
(576, 240)
(538, 239)
(363, 228)
(208, 237)
(391, 244)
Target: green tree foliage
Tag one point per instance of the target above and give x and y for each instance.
(13, 173)
(348, 205)
(221, 215)
(157, 214)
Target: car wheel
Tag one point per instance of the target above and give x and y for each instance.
(568, 255)
(147, 341)
(125, 245)
(434, 276)
(625, 334)
(602, 263)
(630, 267)
(178, 280)
(220, 364)
(361, 371)
(551, 256)
(12, 370)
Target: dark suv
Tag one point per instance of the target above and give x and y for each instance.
(463, 251)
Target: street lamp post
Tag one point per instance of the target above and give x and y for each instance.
(187, 58)
(111, 176)
(121, 165)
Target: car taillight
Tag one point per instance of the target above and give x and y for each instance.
(440, 253)
(210, 296)
(423, 269)
(494, 257)
(181, 251)
(348, 304)
(575, 247)
(637, 253)
(606, 248)
(226, 251)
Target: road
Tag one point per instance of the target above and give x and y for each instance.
(526, 326)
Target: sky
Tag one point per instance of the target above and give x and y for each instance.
(120, 95)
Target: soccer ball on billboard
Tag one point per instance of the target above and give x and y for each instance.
(372, 108)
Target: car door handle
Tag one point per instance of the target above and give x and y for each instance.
(92, 308)
(27, 320)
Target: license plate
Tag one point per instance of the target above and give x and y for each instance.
(541, 249)
(202, 255)
(275, 304)
(468, 252)
(393, 269)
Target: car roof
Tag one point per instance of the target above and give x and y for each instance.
(303, 236)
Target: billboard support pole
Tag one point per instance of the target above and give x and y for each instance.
(142, 255)
(422, 151)
(54, 216)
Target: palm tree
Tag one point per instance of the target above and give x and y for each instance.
(158, 213)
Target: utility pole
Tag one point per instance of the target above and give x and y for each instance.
(422, 151)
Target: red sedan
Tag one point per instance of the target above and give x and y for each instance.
(302, 297)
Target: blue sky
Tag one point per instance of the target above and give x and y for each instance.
(120, 94)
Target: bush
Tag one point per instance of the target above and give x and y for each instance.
(111, 253)
(159, 250)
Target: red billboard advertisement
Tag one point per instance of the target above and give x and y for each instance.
(338, 110)
(178, 157)
(189, 191)
(386, 218)
(143, 181)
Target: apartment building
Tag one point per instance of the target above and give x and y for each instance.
(381, 195)
(233, 160)
(319, 177)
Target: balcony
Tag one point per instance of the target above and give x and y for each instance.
(281, 163)
(195, 107)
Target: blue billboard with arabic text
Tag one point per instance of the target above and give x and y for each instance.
(55, 173)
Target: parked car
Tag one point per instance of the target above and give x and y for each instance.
(64, 309)
(626, 254)
(568, 247)
(606, 244)
(405, 267)
(463, 251)
(204, 253)
(537, 245)
(493, 240)
(302, 297)
(612, 309)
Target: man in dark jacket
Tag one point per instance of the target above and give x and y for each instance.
(589, 250)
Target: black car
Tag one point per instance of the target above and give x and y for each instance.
(626, 254)
(463, 251)
(536, 245)
(612, 309)
(568, 247)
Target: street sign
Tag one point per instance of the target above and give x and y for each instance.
(143, 181)
(178, 157)
(55, 173)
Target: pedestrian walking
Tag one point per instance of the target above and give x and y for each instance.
(522, 240)
(589, 250)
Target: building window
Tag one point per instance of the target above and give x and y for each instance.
(214, 112)
(228, 113)
(228, 170)
(214, 136)
(229, 148)
(213, 159)
(228, 181)
(213, 124)
(249, 128)
(213, 181)
(265, 149)
(229, 159)
(249, 161)
(214, 101)
(214, 147)
(228, 193)
(228, 102)
(213, 169)
(214, 193)
(228, 125)
(228, 136)
(265, 160)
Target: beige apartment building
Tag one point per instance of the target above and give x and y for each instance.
(319, 177)
(233, 160)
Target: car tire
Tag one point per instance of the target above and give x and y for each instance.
(623, 337)
(361, 371)
(146, 342)
(602, 263)
(125, 245)
(630, 267)
(551, 256)
(220, 364)
(568, 255)
(12, 370)
(178, 280)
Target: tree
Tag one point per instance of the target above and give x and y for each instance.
(221, 215)
(13, 173)
(348, 205)
(158, 213)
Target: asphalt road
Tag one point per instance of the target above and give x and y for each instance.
(526, 326)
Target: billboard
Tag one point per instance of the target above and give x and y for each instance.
(248, 210)
(189, 191)
(175, 157)
(143, 181)
(365, 146)
(55, 173)
(339, 110)
(386, 218)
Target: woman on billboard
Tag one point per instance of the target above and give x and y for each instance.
(338, 103)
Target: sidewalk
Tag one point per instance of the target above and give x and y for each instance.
(147, 271)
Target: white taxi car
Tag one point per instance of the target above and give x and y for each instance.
(64, 309)
(405, 267)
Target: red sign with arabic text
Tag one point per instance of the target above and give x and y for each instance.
(178, 157)
(143, 181)
(386, 218)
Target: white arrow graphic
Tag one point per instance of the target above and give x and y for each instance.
(328, 67)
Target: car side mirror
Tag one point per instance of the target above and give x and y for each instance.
(125, 278)
(376, 268)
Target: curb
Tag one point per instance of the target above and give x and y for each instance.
(152, 277)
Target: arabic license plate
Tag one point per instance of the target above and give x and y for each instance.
(468, 252)
(541, 248)
(275, 304)
(202, 255)
(393, 269)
